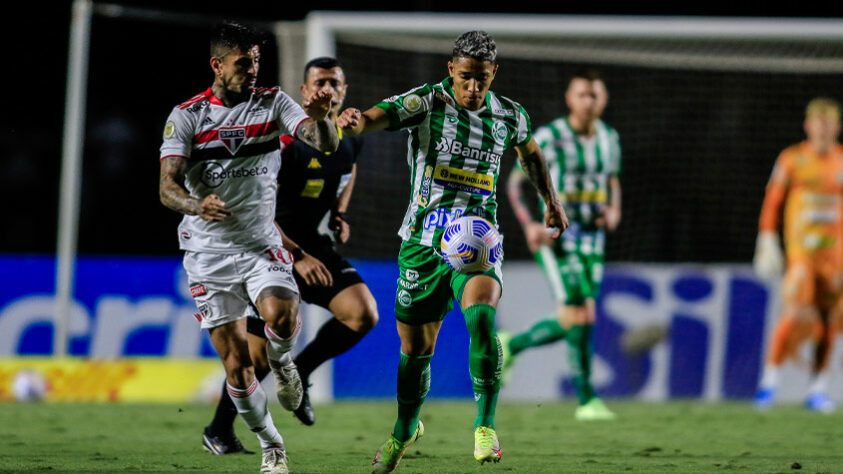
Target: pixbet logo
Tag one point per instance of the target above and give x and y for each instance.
(213, 173)
(441, 218)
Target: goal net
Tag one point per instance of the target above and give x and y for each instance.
(702, 107)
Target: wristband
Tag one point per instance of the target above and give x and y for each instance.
(341, 215)
(297, 253)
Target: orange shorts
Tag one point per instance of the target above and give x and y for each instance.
(815, 282)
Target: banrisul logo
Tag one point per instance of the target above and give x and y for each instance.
(233, 138)
(453, 147)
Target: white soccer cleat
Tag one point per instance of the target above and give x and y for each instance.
(274, 461)
(288, 386)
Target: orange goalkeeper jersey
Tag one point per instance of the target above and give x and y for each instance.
(810, 187)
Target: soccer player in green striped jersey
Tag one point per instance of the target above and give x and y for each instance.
(458, 131)
(583, 156)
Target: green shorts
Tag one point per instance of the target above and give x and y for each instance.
(574, 276)
(427, 286)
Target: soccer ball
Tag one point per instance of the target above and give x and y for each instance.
(29, 386)
(471, 244)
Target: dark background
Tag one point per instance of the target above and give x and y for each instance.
(698, 146)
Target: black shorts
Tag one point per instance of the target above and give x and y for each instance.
(343, 273)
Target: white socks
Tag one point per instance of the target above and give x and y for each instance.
(770, 377)
(279, 348)
(251, 405)
(820, 383)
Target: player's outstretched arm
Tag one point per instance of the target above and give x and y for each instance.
(172, 193)
(532, 163)
(318, 131)
(353, 122)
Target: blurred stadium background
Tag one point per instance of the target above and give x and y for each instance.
(703, 107)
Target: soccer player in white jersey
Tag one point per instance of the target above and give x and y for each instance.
(584, 159)
(219, 163)
(458, 131)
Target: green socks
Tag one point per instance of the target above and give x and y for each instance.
(579, 360)
(543, 332)
(484, 361)
(413, 385)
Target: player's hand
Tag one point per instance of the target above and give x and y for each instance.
(537, 235)
(555, 218)
(313, 271)
(212, 208)
(768, 261)
(608, 218)
(342, 231)
(349, 119)
(318, 105)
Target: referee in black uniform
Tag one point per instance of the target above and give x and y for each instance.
(311, 184)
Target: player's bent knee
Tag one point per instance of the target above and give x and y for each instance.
(359, 318)
(368, 318)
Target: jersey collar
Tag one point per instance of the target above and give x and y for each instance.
(213, 98)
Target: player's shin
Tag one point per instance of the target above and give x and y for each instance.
(546, 331)
(251, 405)
(484, 361)
(333, 339)
(413, 385)
(579, 358)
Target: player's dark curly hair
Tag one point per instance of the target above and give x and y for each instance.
(229, 35)
(324, 62)
(476, 45)
(587, 74)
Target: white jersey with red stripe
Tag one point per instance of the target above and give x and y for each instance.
(234, 153)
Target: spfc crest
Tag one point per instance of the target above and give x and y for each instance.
(233, 138)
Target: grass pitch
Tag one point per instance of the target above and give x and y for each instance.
(536, 438)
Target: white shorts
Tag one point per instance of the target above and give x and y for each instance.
(223, 284)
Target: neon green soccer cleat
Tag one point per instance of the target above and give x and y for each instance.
(388, 456)
(594, 410)
(486, 445)
(508, 359)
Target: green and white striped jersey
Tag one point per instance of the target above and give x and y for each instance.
(580, 166)
(454, 155)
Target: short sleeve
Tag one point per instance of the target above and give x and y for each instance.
(615, 153)
(290, 114)
(408, 110)
(523, 132)
(178, 134)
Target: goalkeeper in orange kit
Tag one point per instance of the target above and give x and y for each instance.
(807, 182)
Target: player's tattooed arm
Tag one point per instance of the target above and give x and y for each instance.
(319, 131)
(173, 194)
(532, 162)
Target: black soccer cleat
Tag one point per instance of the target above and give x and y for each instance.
(305, 410)
(222, 444)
